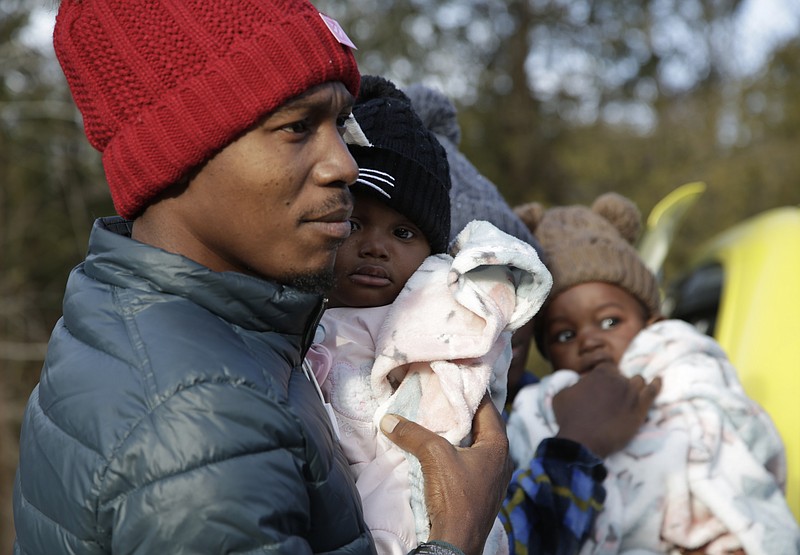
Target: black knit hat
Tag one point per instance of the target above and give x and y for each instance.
(405, 167)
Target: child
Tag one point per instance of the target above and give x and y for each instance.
(411, 330)
(706, 471)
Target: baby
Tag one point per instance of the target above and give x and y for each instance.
(705, 473)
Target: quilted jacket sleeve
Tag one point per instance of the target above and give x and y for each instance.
(218, 467)
(213, 469)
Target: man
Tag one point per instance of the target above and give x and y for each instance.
(173, 415)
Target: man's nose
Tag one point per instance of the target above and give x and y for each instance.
(337, 166)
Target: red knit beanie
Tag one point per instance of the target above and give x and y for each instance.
(165, 84)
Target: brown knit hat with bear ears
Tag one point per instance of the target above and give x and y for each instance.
(583, 244)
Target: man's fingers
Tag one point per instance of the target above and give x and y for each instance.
(409, 435)
(487, 425)
(652, 390)
(488, 434)
(644, 393)
(489, 431)
(487, 422)
(637, 382)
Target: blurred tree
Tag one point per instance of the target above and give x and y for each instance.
(562, 100)
(526, 73)
(51, 186)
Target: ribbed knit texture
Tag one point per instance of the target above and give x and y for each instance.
(165, 84)
(583, 244)
(405, 149)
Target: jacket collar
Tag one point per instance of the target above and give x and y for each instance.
(243, 300)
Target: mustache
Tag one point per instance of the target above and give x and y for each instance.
(342, 199)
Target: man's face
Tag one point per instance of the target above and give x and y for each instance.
(375, 262)
(275, 202)
(591, 324)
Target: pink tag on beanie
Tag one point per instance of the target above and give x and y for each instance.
(337, 31)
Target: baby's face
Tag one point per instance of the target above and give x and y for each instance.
(591, 324)
(374, 263)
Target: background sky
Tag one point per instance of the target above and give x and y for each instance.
(763, 25)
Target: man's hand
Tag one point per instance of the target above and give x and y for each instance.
(464, 487)
(604, 410)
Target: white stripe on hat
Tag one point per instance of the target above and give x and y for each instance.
(378, 180)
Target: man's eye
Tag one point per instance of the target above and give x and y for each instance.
(404, 233)
(297, 127)
(608, 323)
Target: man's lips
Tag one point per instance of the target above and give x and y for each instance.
(371, 276)
(335, 223)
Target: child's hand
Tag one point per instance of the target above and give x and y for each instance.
(604, 410)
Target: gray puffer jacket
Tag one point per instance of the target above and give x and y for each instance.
(172, 417)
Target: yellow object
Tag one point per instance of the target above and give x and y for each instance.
(755, 308)
(663, 223)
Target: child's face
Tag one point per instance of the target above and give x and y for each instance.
(374, 263)
(591, 324)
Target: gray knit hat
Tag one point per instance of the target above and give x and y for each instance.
(472, 196)
(583, 244)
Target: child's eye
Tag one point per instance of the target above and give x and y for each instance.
(608, 323)
(404, 233)
(354, 226)
(563, 336)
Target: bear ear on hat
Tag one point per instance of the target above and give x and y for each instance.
(622, 213)
(531, 214)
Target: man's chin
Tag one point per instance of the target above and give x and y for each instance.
(318, 283)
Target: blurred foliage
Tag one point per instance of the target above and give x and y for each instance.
(52, 187)
(559, 101)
